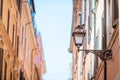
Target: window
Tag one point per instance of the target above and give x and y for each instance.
(1, 7)
(96, 44)
(8, 21)
(10, 75)
(5, 72)
(25, 44)
(83, 11)
(89, 29)
(97, 1)
(75, 19)
(88, 75)
(111, 18)
(25, 40)
(115, 12)
(1, 62)
(21, 75)
(85, 46)
(19, 5)
(17, 45)
(17, 14)
(90, 21)
(22, 33)
(32, 6)
(102, 33)
(90, 14)
(13, 36)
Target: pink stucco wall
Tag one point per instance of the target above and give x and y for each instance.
(39, 59)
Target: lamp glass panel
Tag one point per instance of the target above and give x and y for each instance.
(78, 38)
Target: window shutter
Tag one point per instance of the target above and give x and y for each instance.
(75, 19)
(89, 21)
(89, 75)
(83, 12)
(89, 33)
(90, 14)
(85, 46)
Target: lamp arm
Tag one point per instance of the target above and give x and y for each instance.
(103, 54)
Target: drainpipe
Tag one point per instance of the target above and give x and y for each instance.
(105, 41)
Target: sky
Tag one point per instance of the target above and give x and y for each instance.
(54, 19)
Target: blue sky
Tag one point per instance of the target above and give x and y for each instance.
(54, 19)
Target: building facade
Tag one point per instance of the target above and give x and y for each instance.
(39, 61)
(100, 20)
(18, 41)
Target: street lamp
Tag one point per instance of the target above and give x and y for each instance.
(78, 36)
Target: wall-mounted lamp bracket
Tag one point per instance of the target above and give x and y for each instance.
(103, 54)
